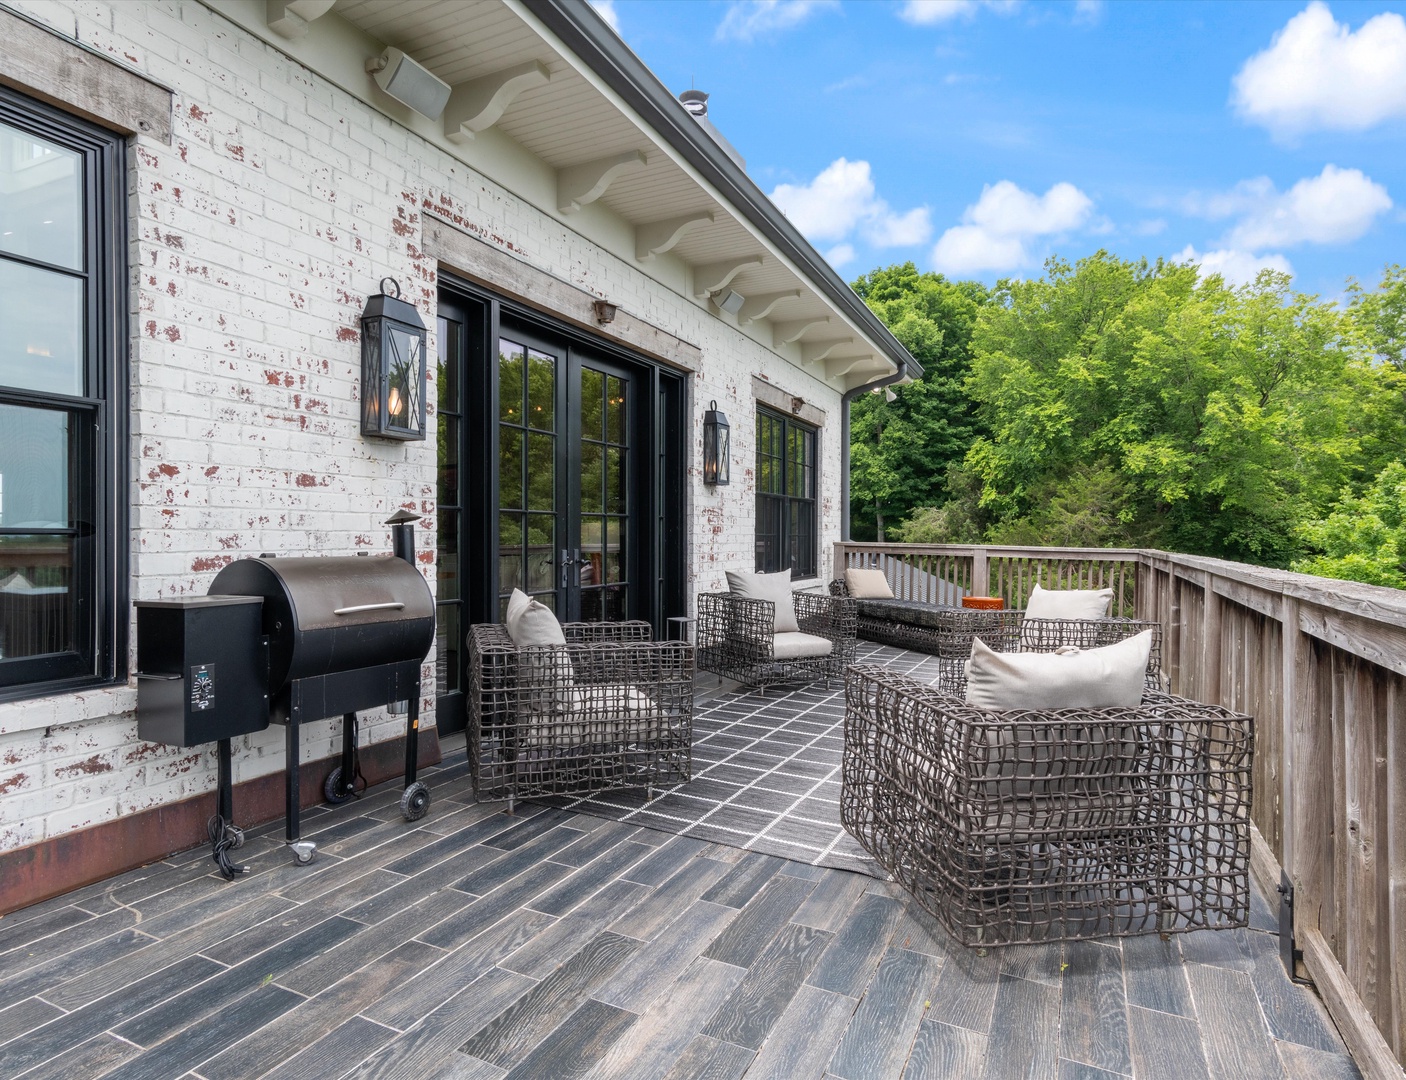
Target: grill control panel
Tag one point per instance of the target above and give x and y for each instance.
(202, 687)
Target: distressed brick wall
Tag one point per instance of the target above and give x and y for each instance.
(255, 239)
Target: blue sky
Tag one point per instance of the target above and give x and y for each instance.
(978, 138)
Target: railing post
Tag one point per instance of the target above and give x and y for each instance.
(839, 559)
(981, 573)
(1210, 690)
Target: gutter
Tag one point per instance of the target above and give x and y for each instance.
(586, 34)
(845, 401)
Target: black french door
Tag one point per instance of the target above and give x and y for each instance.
(562, 473)
(569, 523)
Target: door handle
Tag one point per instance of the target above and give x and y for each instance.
(568, 560)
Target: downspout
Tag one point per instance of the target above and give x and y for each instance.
(849, 396)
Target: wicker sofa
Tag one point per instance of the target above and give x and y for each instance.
(947, 633)
(1048, 825)
(736, 638)
(610, 709)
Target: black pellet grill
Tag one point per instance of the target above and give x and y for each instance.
(333, 635)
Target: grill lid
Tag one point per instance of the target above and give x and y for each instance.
(325, 614)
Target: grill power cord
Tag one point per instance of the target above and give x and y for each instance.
(224, 838)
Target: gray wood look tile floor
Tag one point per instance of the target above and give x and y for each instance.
(475, 944)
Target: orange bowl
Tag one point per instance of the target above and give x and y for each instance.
(984, 603)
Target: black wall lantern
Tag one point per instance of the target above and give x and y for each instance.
(392, 367)
(716, 458)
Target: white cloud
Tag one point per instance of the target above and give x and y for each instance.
(931, 12)
(747, 19)
(1319, 74)
(1087, 12)
(998, 228)
(606, 10)
(842, 201)
(1236, 267)
(840, 255)
(1335, 207)
(1150, 227)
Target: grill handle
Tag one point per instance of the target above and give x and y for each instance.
(393, 605)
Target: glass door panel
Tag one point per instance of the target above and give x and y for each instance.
(603, 502)
(528, 445)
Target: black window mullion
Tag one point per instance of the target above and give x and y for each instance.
(786, 532)
(94, 603)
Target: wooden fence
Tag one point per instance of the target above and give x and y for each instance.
(1321, 665)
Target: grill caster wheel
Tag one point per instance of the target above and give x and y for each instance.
(332, 790)
(415, 801)
(304, 852)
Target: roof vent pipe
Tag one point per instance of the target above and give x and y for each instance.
(696, 102)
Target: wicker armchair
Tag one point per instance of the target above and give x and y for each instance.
(1051, 825)
(736, 639)
(610, 709)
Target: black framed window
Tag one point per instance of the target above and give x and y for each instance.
(62, 339)
(786, 483)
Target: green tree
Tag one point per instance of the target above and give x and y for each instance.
(1133, 403)
(1363, 538)
(901, 449)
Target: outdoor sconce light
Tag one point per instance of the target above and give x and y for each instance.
(392, 367)
(715, 446)
(605, 311)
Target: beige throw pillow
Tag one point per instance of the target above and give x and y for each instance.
(773, 587)
(867, 584)
(1070, 678)
(532, 624)
(1068, 603)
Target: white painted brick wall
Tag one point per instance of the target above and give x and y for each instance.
(256, 237)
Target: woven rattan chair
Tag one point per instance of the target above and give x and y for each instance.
(610, 709)
(737, 639)
(1051, 825)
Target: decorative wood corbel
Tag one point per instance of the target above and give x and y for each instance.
(783, 333)
(578, 185)
(710, 277)
(838, 366)
(812, 352)
(656, 237)
(759, 307)
(290, 18)
(478, 104)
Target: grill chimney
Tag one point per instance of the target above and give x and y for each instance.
(696, 102)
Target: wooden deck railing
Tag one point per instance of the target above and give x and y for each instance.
(1321, 665)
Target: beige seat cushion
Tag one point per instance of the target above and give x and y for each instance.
(1068, 603)
(867, 584)
(773, 587)
(1069, 678)
(795, 645)
(588, 714)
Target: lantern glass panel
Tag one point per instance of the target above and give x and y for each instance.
(370, 376)
(724, 453)
(405, 378)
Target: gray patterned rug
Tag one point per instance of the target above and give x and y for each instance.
(766, 773)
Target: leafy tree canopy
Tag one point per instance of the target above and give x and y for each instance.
(1114, 403)
(901, 450)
